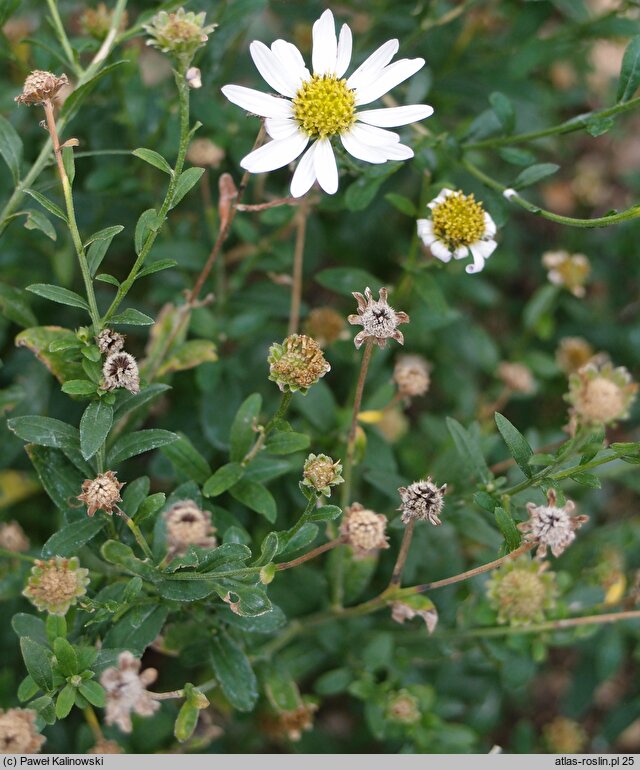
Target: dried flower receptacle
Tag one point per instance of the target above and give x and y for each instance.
(55, 585)
(379, 320)
(297, 363)
(102, 493)
(110, 342)
(120, 370)
(18, 732)
(186, 525)
(422, 501)
(411, 375)
(550, 526)
(126, 691)
(41, 86)
(364, 530)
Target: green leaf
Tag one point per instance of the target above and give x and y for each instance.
(280, 687)
(439, 313)
(50, 206)
(345, 280)
(58, 294)
(10, 148)
(128, 402)
(59, 478)
(79, 387)
(186, 459)
(72, 102)
(153, 158)
(186, 590)
(233, 671)
(132, 317)
(224, 478)
(151, 505)
(534, 174)
(27, 689)
(45, 431)
(504, 111)
(70, 539)
(469, 450)
(67, 660)
(99, 244)
(255, 496)
(325, 513)
(242, 433)
(93, 692)
(404, 205)
(508, 529)
(516, 442)
(38, 340)
(539, 305)
(36, 659)
(186, 722)
(36, 220)
(586, 479)
(361, 193)
(185, 182)
(136, 443)
(517, 156)
(65, 700)
(95, 425)
(13, 306)
(629, 71)
(24, 624)
(106, 234)
(68, 161)
(147, 223)
(286, 442)
(56, 626)
(106, 278)
(188, 355)
(156, 267)
(597, 126)
(137, 628)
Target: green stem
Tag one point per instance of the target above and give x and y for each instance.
(7, 554)
(62, 37)
(513, 197)
(282, 410)
(125, 286)
(575, 124)
(137, 533)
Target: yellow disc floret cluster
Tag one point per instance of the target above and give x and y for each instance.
(458, 220)
(324, 106)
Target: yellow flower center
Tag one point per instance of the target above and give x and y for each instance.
(458, 220)
(324, 106)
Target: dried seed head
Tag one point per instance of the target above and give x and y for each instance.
(97, 23)
(41, 86)
(516, 377)
(521, 592)
(325, 325)
(321, 473)
(297, 363)
(56, 584)
(101, 493)
(364, 530)
(573, 353)
(422, 500)
(105, 746)
(411, 375)
(126, 691)
(291, 724)
(110, 342)
(203, 153)
(187, 524)
(379, 320)
(18, 732)
(120, 370)
(564, 736)
(551, 527)
(600, 395)
(568, 270)
(403, 707)
(180, 33)
(13, 538)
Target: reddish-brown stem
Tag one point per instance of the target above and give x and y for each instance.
(396, 575)
(311, 554)
(298, 260)
(268, 204)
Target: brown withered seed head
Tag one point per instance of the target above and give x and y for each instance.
(517, 377)
(411, 375)
(101, 493)
(12, 537)
(110, 342)
(126, 689)
(120, 370)
(364, 530)
(187, 524)
(379, 320)
(297, 363)
(550, 526)
(18, 733)
(56, 584)
(41, 86)
(422, 500)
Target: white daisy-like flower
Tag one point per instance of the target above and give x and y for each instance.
(323, 105)
(458, 225)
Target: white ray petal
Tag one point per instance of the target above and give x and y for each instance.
(484, 248)
(490, 228)
(257, 102)
(325, 45)
(461, 252)
(324, 162)
(388, 117)
(305, 174)
(362, 151)
(272, 70)
(377, 137)
(440, 251)
(379, 59)
(425, 231)
(291, 59)
(280, 128)
(389, 78)
(276, 154)
(397, 151)
(343, 58)
(478, 261)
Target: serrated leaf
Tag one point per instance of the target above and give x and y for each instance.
(242, 433)
(136, 443)
(233, 671)
(45, 431)
(131, 317)
(153, 158)
(516, 442)
(95, 425)
(68, 540)
(58, 294)
(534, 174)
(256, 497)
(186, 181)
(629, 71)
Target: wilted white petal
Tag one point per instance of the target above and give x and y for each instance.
(271, 69)
(281, 128)
(389, 78)
(276, 154)
(257, 102)
(374, 136)
(343, 58)
(370, 67)
(388, 117)
(305, 174)
(325, 45)
(325, 166)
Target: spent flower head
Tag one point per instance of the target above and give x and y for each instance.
(120, 370)
(411, 375)
(181, 33)
(56, 584)
(458, 225)
(97, 21)
(573, 353)
(422, 500)
(321, 472)
(323, 105)
(564, 736)
(569, 270)
(403, 707)
(522, 591)
(364, 530)
(187, 524)
(18, 732)
(102, 493)
(203, 152)
(325, 325)
(550, 526)
(110, 342)
(517, 377)
(292, 723)
(12, 537)
(126, 690)
(297, 363)
(379, 320)
(41, 86)
(601, 395)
